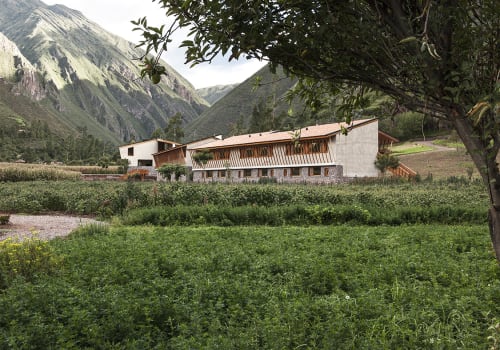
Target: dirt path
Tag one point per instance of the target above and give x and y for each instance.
(436, 147)
(43, 226)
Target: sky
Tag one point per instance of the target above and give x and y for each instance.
(115, 17)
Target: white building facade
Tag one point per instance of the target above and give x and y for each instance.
(140, 154)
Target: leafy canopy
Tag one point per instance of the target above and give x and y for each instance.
(431, 55)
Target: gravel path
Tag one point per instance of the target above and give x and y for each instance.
(43, 226)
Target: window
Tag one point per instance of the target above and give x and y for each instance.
(145, 162)
(307, 147)
(272, 172)
(264, 172)
(247, 172)
(131, 151)
(239, 173)
(210, 173)
(249, 152)
(298, 148)
(222, 173)
(326, 171)
(264, 151)
(315, 147)
(222, 154)
(285, 172)
(315, 171)
(295, 171)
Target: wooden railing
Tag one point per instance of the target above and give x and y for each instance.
(403, 171)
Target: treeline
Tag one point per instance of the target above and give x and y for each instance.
(268, 114)
(35, 142)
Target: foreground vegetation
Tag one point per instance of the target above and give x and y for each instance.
(369, 266)
(113, 198)
(433, 287)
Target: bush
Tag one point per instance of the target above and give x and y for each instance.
(4, 219)
(26, 260)
(301, 215)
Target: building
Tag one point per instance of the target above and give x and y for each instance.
(313, 154)
(140, 154)
(181, 154)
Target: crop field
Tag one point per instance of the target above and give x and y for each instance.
(345, 287)
(185, 266)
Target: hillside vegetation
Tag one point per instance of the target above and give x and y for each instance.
(78, 76)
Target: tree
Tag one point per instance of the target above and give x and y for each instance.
(385, 161)
(173, 130)
(440, 58)
(166, 170)
(157, 133)
(202, 157)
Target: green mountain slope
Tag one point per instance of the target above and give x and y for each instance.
(83, 76)
(214, 93)
(236, 107)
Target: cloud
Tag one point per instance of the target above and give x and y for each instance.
(115, 17)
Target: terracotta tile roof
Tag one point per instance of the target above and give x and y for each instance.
(314, 131)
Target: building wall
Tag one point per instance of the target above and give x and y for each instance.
(174, 156)
(357, 151)
(142, 150)
(346, 156)
(280, 175)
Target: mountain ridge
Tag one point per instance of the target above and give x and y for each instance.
(87, 74)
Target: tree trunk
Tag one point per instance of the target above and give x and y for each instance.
(494, 223)
(485, 162)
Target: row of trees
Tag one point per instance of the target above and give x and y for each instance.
(34, 142)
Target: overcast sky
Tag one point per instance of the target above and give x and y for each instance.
(115, 16)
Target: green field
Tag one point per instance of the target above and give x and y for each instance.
(258, 287)
(314, 267)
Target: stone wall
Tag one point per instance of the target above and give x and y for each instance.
(279, 175)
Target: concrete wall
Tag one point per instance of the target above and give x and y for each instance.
(357, 151)
(142, 150)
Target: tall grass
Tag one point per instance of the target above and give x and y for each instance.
(34, 172)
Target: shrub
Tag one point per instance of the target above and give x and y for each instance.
(4, 219)
(26, 259)
(92, 229)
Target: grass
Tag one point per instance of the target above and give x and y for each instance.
(429, 286)
(406, 148)
(441, 164)
(449, 143)
(311, 286)
(32, 172)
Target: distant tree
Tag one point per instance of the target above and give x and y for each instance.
(104, 162)
(264, 117)
(238, 127)
(437, 57)
(174, 130)
(158, 133)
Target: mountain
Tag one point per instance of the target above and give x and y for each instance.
(214, 93)
(76, 76)
(232, 113)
